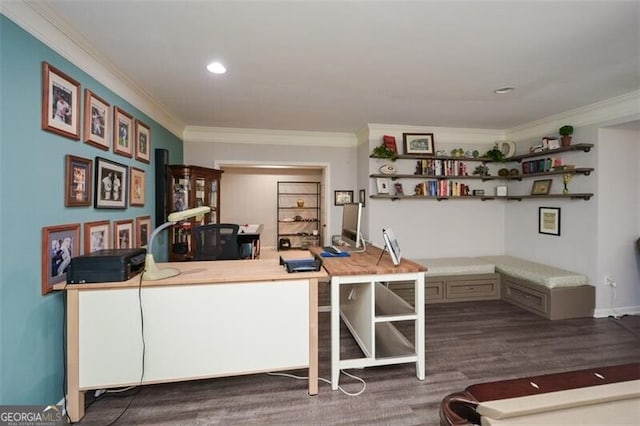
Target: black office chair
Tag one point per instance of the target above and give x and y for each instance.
(217, 242)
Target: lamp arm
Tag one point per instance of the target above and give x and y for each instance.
(156, 232)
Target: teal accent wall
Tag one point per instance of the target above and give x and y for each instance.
(32, 165)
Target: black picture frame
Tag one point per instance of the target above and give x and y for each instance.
(362, 197)
(111, 184)
(549, 220)
(342, 197)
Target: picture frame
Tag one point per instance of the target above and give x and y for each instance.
(143, 142)
(96, 121)
(362, 197)
(382, 185)
(418, 143)
(122, 132)
(110, 185)
(123, 237)
(541, 186)
(143, 231)
(78, 181)
(60, 102)
(97, 236)
(342, 197)
(549, 220)
(398, 188)
(60, 243)
(138, 187)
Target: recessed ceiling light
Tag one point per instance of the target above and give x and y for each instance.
(503, 90)
(216, 68)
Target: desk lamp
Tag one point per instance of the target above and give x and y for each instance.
(151, 270)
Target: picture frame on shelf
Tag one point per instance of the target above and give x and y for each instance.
(418, 143)
(97, 236)
(541, 186)
(122, 132)
(110, 185)
(342, 197)
(60, 103)
(382, 185)
(96, 121)
(123, 237)
(549, 220)
(138, 187)
(362, 197)
(60, 243)
(398, 188)
(143, 142)
(143, 231)
(78, 181)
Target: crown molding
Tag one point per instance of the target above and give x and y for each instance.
(268, 137)
(41, 22)
(457, 135)
(604, 113)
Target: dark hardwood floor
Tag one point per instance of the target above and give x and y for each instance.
(466, 343)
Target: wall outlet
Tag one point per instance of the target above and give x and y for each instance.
(609, 281)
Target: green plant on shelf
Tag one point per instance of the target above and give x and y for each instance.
(495, 154)
(384, 152)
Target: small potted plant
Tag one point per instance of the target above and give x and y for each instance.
(382, 151)
(566, 131)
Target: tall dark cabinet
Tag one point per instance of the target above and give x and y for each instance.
(189, 187)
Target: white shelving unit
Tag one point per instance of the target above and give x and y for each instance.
(371, 311)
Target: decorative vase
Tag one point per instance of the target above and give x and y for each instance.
(300, 202)
(566, 140)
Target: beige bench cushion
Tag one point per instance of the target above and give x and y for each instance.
(553, 401)
(455, 266)
(548, 276)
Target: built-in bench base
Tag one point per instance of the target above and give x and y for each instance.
(454, 288)
(552, 303)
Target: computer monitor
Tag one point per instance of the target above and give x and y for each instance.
(351, 222)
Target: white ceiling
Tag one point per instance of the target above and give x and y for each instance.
(337, 65)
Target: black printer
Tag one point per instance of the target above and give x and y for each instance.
(106, 266)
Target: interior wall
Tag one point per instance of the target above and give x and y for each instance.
(618, 213)
(249, 196)
(429, 228)
(32, 175)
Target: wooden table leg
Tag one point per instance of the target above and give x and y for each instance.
(75, 397)
(313, 336)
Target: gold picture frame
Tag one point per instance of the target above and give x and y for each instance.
(138, 187)
(143, 142)
(60, 103)
(541, 186)
(60, 244)
(122, 132)
(96, 121)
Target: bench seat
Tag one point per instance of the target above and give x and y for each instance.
(537, 273)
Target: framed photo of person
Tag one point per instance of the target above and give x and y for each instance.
(111, 185)
(60, 103)
(96, 121)
(123, 234)
(138, 187)
(78, 181)
(122, 132)
(143, 142)
(97, 236)
(143, 231)
(59, 244)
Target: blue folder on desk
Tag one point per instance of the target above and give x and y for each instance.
(329, 254)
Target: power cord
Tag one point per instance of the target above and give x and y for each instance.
(616, 320)
(321, 379)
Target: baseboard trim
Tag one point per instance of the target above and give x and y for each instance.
(617, 311)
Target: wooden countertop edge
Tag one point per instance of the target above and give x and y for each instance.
(214, 272)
